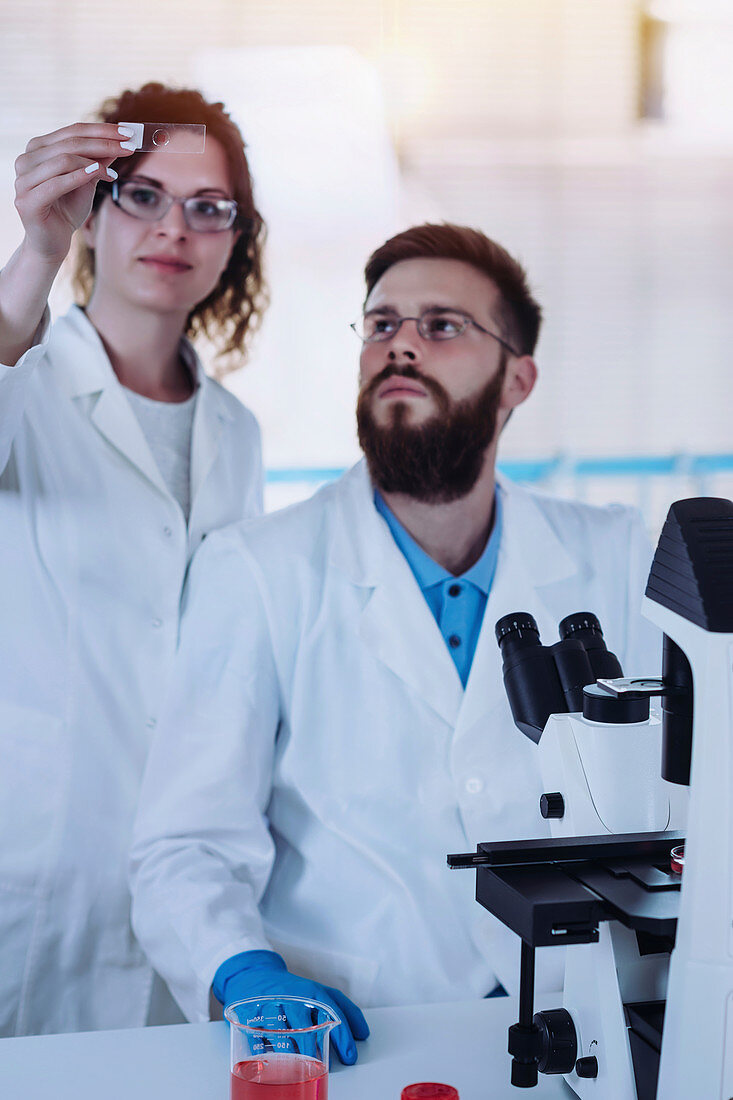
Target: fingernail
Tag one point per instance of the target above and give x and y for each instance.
(111, 173)
(134, 131)
(92, 168)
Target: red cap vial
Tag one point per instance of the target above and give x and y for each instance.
(677, 859)
(429, 1090)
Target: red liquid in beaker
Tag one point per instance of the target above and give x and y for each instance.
(280, 1077)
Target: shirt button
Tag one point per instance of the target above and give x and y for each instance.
(454, 590)
(454, 641)
(157, 623)
(151, 723)
(167, 531)
(474, 785)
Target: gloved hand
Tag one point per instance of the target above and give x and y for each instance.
(264, 973)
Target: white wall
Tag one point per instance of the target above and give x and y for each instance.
(518, 116)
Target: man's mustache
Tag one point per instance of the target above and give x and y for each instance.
(405, 371)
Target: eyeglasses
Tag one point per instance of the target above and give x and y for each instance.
(202, 213)
(433, 324)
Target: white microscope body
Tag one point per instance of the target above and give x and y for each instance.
(647, 1008)
(610, 782)
(697, 1041)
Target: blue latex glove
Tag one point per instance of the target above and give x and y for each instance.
(264, 973)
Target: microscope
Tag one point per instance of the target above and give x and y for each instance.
(645, 914)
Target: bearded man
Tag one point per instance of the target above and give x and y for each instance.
(337, 721)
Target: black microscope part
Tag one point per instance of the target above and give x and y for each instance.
(676, 714)
(558, 1040)
(584, 625)
(552, 804)
(530, 676)
(587, 1067)
(544, 680)
(517, 625)
(692, 571)
(574, 669)
(580, 622)
(601, 706)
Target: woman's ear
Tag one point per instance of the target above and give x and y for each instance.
(89, 230)
(235, 237)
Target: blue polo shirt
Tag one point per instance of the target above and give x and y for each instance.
(457, 603)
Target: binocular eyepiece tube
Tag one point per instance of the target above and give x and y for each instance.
(544, 680)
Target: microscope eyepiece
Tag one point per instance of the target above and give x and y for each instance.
(544, 680)
(584, 627)
(521, 627)
(582, 623)
(530, 676)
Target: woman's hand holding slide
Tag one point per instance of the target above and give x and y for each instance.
(54, 189)
(55, 181)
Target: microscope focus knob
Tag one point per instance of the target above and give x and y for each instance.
(552, 804)
(558, 1041)
(587, 1067)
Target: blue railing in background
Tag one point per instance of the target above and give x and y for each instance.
(650, 482)
(535, 471)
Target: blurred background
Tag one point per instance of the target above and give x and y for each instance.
(593, 138)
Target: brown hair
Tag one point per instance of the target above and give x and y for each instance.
(520, 315)
(234, 308)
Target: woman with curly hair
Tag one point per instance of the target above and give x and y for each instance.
(117, 456)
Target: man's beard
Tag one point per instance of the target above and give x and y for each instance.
(439, 460)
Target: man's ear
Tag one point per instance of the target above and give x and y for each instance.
(519, 381)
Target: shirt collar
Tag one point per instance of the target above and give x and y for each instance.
(427, 571)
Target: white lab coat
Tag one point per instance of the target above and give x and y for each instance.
(93, 554)
(314, 692)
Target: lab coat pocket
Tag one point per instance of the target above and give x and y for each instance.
(18, 914)
(352, 974)
(33, 777)
(32, 780)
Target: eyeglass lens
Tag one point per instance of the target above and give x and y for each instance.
(202, 213)
(434, 324)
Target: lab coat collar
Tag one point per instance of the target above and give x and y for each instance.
(528, 539)
(361, 538)
(212, 415)
(529, 544)
(92, 372)
(397, 624)
(77, 348)
(86, 372)
(532, 560)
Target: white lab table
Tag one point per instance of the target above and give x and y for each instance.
(461, 1044)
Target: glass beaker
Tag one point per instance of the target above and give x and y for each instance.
(279, 1048)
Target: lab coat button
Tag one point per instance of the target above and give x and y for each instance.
(151, 723)
(167, 531)
(474, 785)
(157, 623)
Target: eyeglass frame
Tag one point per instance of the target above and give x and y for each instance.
(113, 188)
(400, 320)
